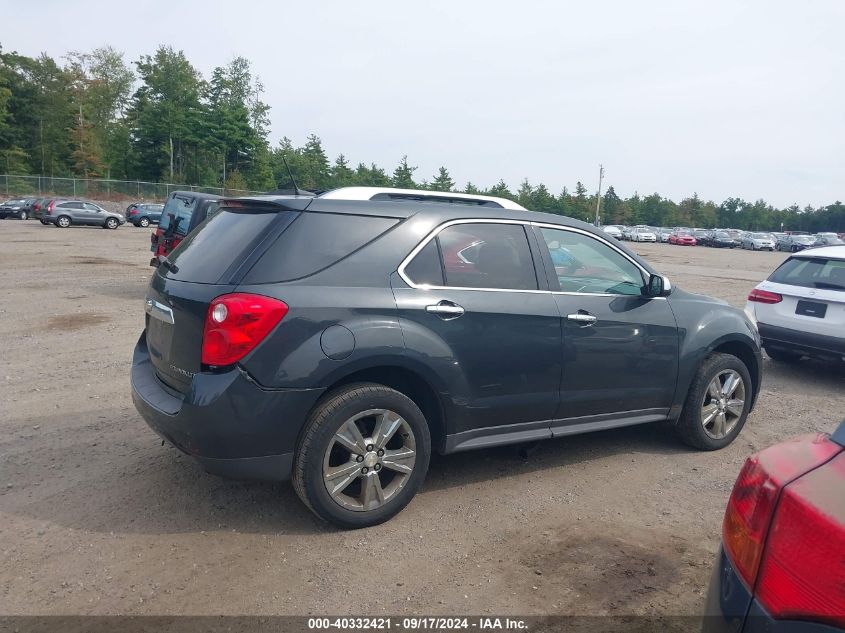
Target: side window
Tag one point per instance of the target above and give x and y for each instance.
(482, 255)
(71, 205)
(91, 207)
(425, 269)
(586, 264)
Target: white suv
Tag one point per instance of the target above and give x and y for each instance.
(800, 308)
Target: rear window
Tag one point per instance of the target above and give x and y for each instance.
(828, 274)
(220, 243)
(314, 242)
(181, 208)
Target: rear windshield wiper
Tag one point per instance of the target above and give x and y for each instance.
(826, 286)
(169, 265)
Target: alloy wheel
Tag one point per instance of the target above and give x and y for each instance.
(369, 460)
(724, 402)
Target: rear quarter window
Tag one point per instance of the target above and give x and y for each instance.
(315, 241)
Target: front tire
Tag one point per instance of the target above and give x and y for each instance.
(111, 223)
(22, 215)
(362, 456)
(717, 404)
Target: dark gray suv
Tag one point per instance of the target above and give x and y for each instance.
(338, 342)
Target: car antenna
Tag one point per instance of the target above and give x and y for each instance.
(295, 190)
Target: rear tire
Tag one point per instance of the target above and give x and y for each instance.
(715, 409)
(44, 222)
(144, 223)
(63, 221)
(22, 215)
(782, 356)
(339, 449)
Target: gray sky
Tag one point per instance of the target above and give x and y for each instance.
(721, 97)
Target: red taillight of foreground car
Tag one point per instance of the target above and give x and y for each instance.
(236, 323)
(764, 296)
(755, 494)
(50, 207)
(802, 575)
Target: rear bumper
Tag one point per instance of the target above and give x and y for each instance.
(233, 427)
(817, 345)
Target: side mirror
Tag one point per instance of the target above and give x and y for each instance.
(658, 286)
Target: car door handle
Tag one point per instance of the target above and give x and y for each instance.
(582, 318)
(445, 309)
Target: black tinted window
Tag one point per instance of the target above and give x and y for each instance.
(223, 240)
(425, 269)
(313, 242)
(487, 256)
(811, 273)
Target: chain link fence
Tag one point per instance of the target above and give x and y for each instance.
(101, 189)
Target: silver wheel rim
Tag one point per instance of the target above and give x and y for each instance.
(111, 223)
(64, 222)
(369, 460)
(145, 222)
(724, 402)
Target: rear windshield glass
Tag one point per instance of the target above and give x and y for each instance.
(811, 273)
(181, 208)
(313, 242)
(219, 243)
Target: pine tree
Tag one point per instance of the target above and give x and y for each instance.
(403, 175)
(442, 181)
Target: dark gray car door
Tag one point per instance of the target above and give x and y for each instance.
(471, 308)
(620, 348)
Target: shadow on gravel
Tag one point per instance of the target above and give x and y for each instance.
(114, 476)
(459, 469)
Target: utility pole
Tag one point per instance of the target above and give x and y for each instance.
(598, 197)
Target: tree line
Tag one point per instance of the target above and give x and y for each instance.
(158, 119)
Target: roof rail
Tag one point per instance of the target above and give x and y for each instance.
(419, 195)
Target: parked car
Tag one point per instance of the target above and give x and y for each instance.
(143, 214)
(736, 235)
(613, 230)
(663, 235)
(182, 213)
(14, 208)
(828, 239)
(643, 234)
(702, 236)
(795, 243)
(721, 239)
(331, 340)
(800, 308)
(65, 213)
(682, 239)
(758, 241)
(39, 208)
(779, 567)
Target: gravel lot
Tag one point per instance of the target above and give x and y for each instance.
(97, 517)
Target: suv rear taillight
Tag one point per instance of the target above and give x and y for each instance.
(764, 296)
(235, 324)
(802, 575)
(50, 207)
(755, 496)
